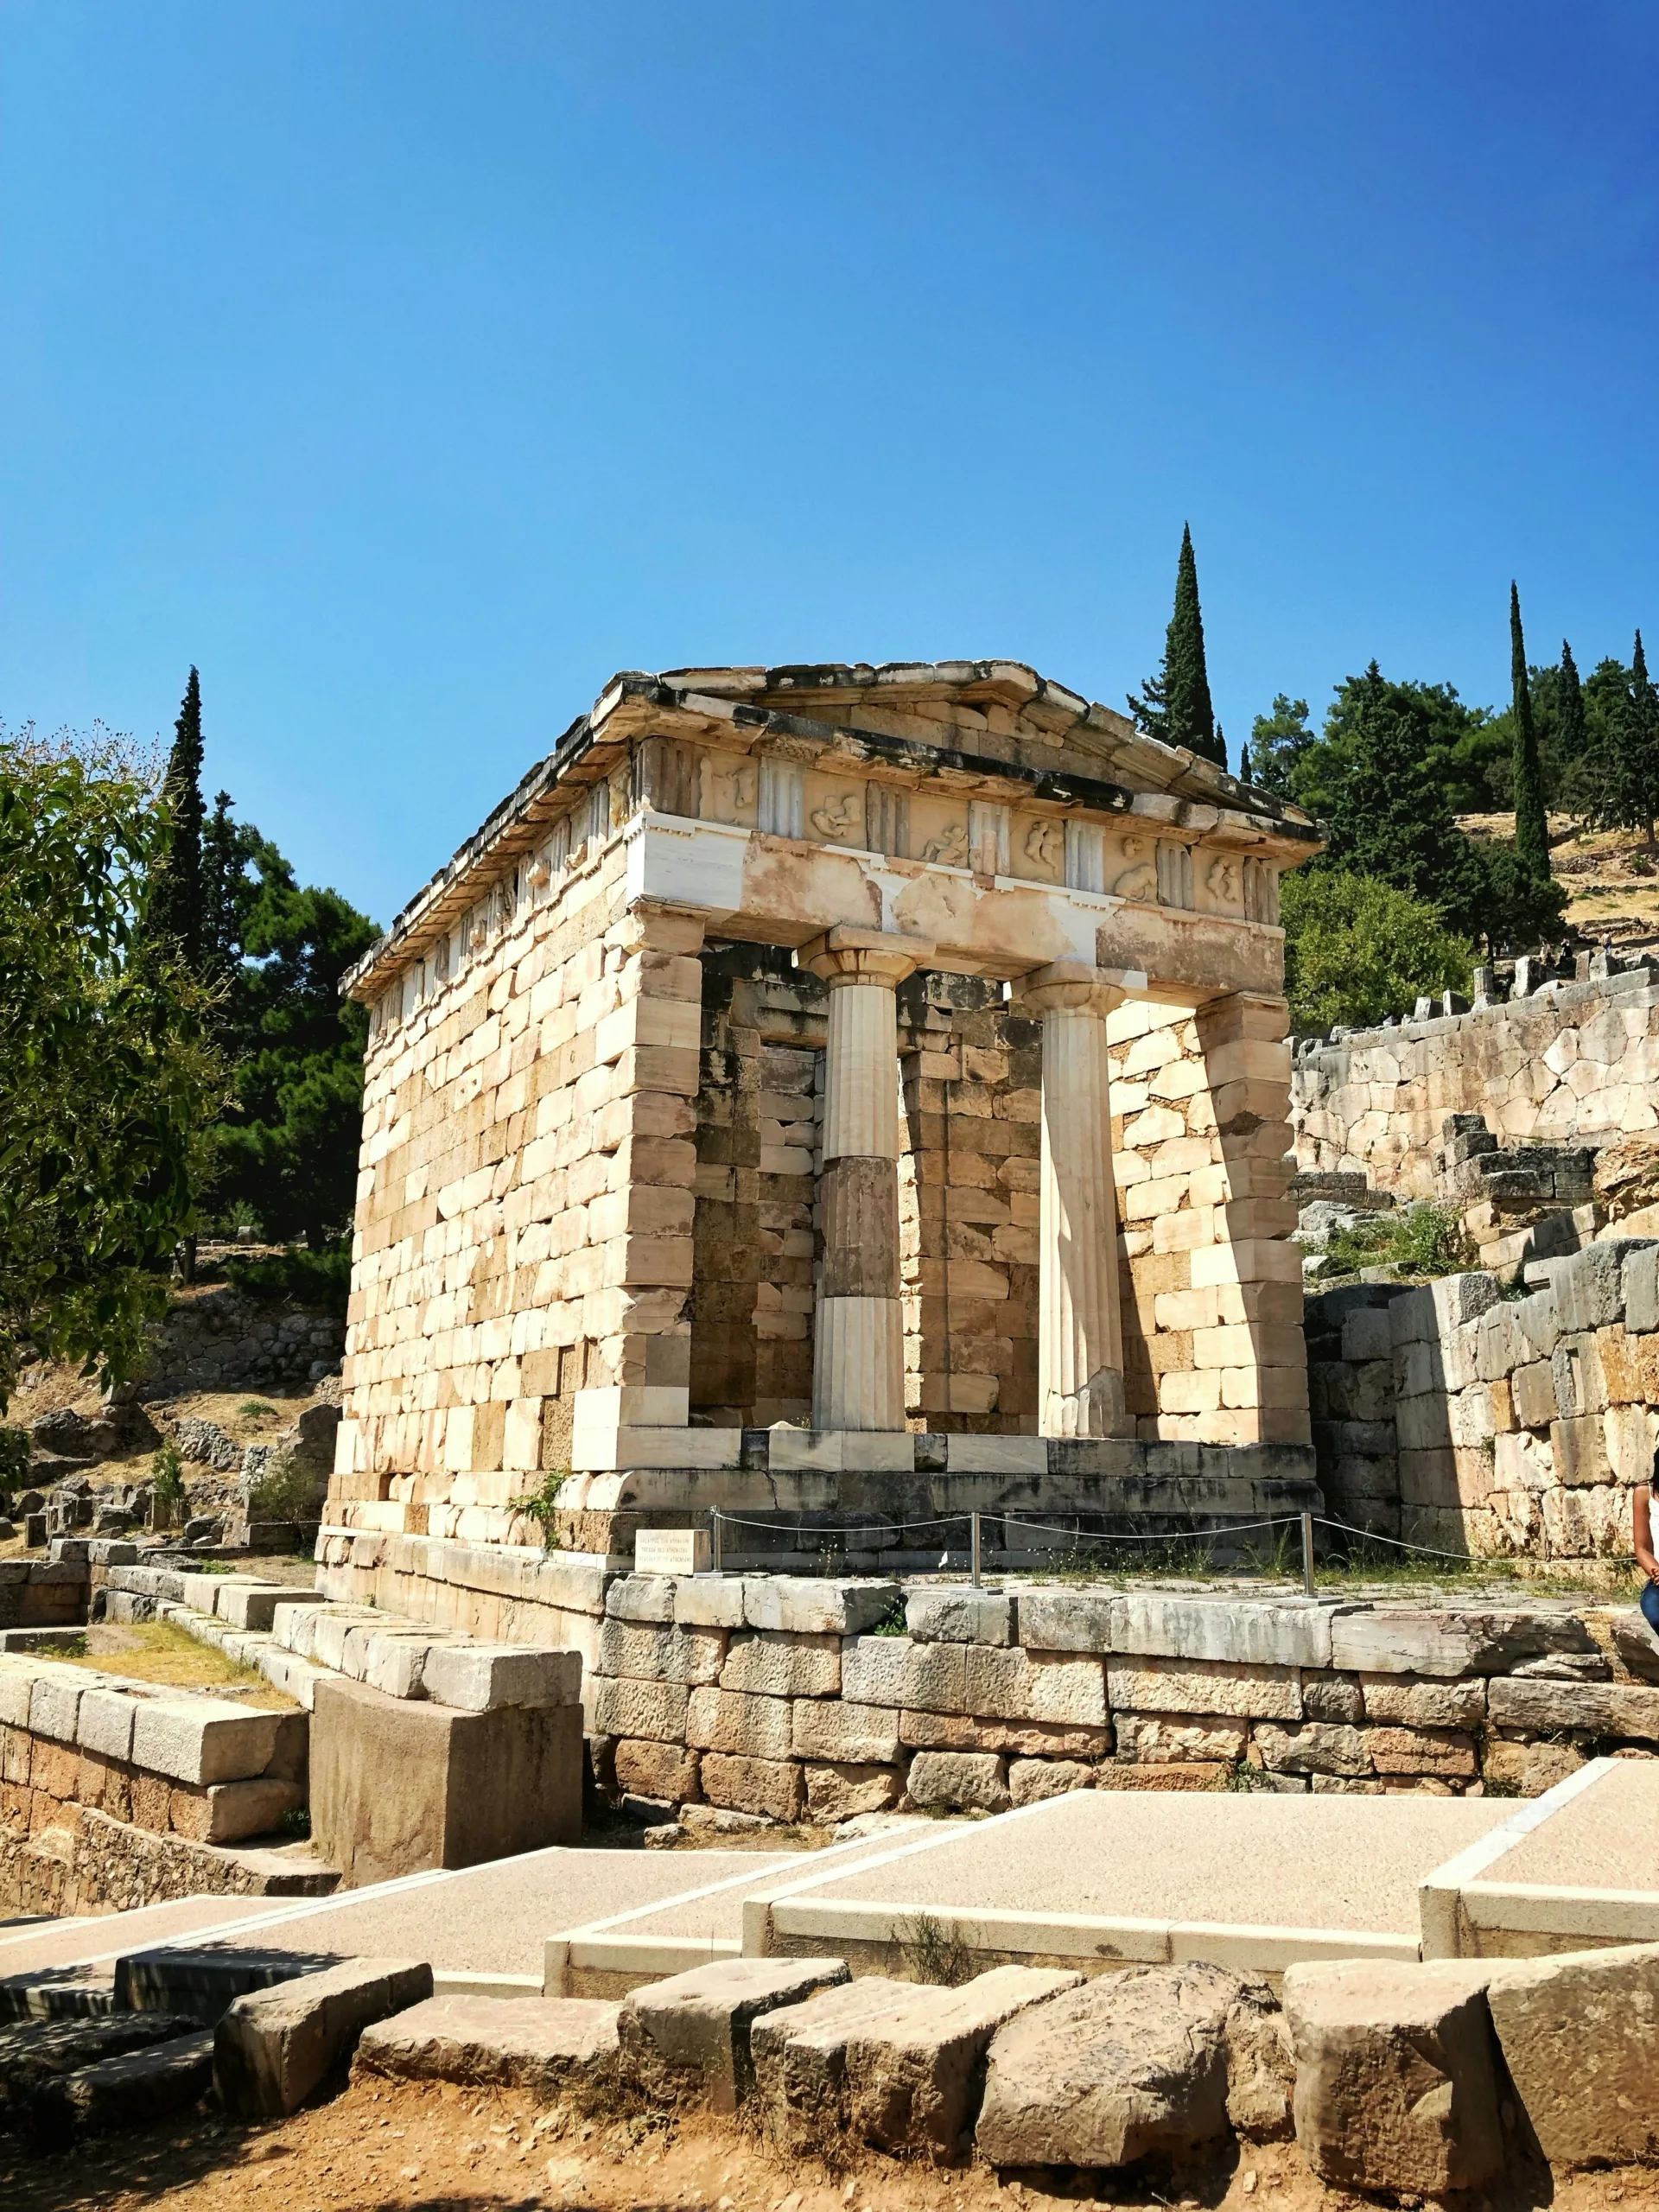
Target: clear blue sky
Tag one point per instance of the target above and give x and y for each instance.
(411, 364)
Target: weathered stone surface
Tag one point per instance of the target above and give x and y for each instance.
(1129, 2064)
(644, 1598)
(935, 1615)
(1249, 1631)
(643, 1769)
(1317, 1747)
(1065, 1620)
(857, 1735)
(1528, 1769)
(201, 1739)
(799, 2056)
(36, 2054)
(273, 2046)
(708, 1601)
(771, 1788)
(1030, 1781)
(1401, 1640)
(525, 2043)
(228, 1812)
(748, 1728)
(1261, 2065)
(1019, 1685)
(840, 1790)
(1603, 1709)
(936, 1676)
(1154, 1736)
(1446, 1752)
(1636, 1646)
(957, 1780)
(689, 2035)
(484, 1677)
(1579, 2034)
(1203, 1686)
(828, 1608)
(1395, 2083)
(872, 1668)
(1408, 1704)
(773, 1662)
(140, 2086)
(913, 2077)
(629, 1707)
(1332, 1697)
(651, 1651)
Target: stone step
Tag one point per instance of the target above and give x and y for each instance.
(523, 2042)
(273, 2047)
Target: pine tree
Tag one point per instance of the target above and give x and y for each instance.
(173, 911)
(1629, 781)
(1531, 823)
(1175, 704)
(1571, 742)
(1387, 815)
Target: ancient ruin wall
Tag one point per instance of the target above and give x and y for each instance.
(1454, 1416)
(1568, 1063)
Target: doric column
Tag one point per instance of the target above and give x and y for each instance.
(858, 1353)
(1080, 1338)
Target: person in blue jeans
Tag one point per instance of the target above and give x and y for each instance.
(1642, 1517)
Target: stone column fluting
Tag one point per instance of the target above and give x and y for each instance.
(1080, 1338)
(858, 1353)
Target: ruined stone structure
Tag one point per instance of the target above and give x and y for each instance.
(895, 1054)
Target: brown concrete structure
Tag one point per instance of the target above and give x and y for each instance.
(895, 1053)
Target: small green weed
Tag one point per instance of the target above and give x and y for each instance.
(542, 1506)
(1422, 1242)
(295, 1825)
(255, 1409)
(933, 1952)
(893, 1622)
(166, 1484)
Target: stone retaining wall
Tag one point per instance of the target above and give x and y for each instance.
(1570, 1062)
(1456, 1416)
(775, 1694)
(179, 1769)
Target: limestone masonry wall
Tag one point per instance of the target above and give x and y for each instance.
(1454, 1416)
(787, 1696)
(1571, 1061)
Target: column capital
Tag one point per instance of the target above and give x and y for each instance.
(846, 955)
(1067, 986)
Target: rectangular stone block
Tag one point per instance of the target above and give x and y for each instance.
(936, 1677)
(201, 1739)
(1159, 1738)
(644, 1769)
(662, 1653)
(54, 1702)
(228, 1812)
(397, 1787)
(1247, 1631)
(274, 2046)
(1580, 2035)
(771, 1788)
(1203, 1686)
(1065, 1620)
(839, 1790)
(689, 2035)
(872, 1668)
(537, 2044)
(727, 1721)
(776, 1663)
(1598, 1708)
(858, 1735)
(1408, 1704)
(817, 1608)
(104, 1723)
(486, 1677)
(626, 1708)
(1036, 1686)
(970, 1616)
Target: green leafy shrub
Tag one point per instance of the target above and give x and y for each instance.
(1355, 948)
(542, 1506)
(14, 1461)
(1422, 1242)
(297, 1277)
(288, 1491)
(166, 1484)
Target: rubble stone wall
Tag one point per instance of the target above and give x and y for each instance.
(791, 1697)
(1457, 1416)
(1568, 1063)
(217, 1340)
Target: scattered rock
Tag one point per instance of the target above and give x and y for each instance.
(273, 2046)
(1395, 2083)
(1128, 2064)
(1579, 2034)
(690, 2035)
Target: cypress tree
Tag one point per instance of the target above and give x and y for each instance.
(1175, 704)
(174, 908)
(1531, 825)
(1644, 715)
(1570, 739)
(1629, 794)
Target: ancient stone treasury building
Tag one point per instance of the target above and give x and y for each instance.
(827, 1094)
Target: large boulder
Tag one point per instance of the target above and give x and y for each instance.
(689, 2036)
(1396, 2080)
(1579, 2033)
(1130, 2063)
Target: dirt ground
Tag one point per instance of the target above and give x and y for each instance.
(1612, 885)
(431, 2149)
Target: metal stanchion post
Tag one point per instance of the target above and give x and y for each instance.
(974, 1520)
(715, 1524)
(1308, 1554)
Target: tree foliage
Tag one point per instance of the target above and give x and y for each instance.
(172, 909)
(1531, 827)
(107, 1077)
(285, 1152)
(1625, 755)
(1175, 704)
(1278, 739)
(1357, 949)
